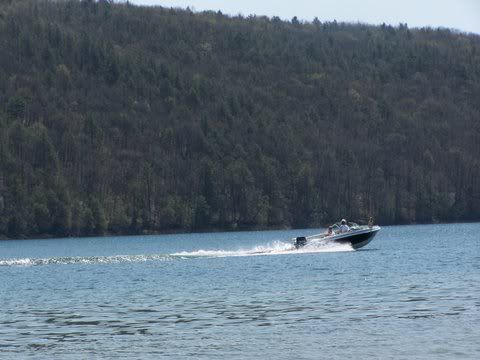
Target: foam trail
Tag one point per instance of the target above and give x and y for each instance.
(115, 259)
(275, 248)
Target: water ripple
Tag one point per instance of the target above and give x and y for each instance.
(231, 303)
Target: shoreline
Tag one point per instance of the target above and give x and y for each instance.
(204, 231)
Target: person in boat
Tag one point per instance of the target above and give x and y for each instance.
(344, 227)
(330, 231)
(370, 222)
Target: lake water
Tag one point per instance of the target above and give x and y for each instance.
(414, 292)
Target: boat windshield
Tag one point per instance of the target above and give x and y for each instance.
(351, 225)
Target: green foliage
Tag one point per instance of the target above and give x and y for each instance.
(98, 217)
(16, 108)
(125, 119)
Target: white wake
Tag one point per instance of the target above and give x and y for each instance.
(84, 260)
(274, 248)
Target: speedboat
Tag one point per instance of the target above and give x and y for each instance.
(358, 236)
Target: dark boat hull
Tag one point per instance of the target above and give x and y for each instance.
(358, 240)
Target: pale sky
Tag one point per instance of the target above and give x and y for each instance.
(463, 15)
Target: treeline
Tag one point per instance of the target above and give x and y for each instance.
(124, 119)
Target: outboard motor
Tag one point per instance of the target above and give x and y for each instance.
(300, 241)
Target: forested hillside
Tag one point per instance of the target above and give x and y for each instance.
(123, 119)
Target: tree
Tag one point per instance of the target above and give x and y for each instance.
(128, 119)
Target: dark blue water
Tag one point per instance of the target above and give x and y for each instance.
(414, 292)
